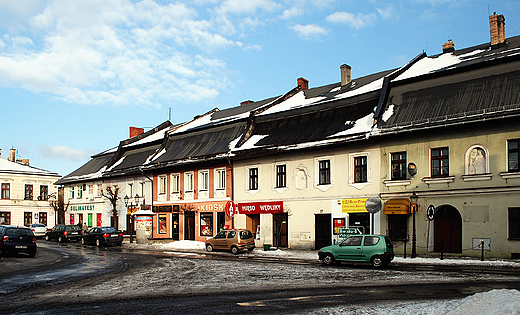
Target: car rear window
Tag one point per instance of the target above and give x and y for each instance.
(108, 230)
(246, 235)
(19, 232)
(37, 225)
(388, 242)
(371, 240)
(73, 228)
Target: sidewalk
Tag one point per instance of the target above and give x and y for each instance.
(312, 255)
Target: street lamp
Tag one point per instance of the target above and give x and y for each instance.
(413, 201)
(131, 227)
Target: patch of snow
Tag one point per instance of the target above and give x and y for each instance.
(116, 163)
(297, 101)
(251, 142)
(429, 65)
(153, 137)
(370, 87)
(148, 160)
(201, 121)
(361, 125)
(388, 112)
(233, 143)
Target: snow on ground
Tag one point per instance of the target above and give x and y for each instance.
(494, 302)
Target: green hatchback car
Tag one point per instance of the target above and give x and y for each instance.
(375, 249)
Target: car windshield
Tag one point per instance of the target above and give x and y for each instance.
(108, 230)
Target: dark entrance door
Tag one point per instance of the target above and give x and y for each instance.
(189, 225)
(360, 221)
(280, 229)
(323, 230)
(447, 230)
(221, 221)
(175, 226)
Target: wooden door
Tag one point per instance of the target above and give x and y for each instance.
(322, 230)
(447, 230)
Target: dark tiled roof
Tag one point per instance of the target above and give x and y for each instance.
(86, 171)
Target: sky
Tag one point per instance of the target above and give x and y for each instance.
(75, 75)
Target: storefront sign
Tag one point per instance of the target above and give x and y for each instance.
(353, 205)
(231, 209)
(82, 208)
(260, 207)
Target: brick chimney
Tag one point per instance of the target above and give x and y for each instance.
(497, 29)
(12, 155)
(345, 74)
(245, 103)
(304, 84)
(448, 47)
(135, 131)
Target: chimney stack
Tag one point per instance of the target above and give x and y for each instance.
(448, 47)
(12, 155)
(304, 84)
(497, 29)
(245, 102)
(345, 74)
(135, 131)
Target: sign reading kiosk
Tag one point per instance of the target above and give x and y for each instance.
(260, 207)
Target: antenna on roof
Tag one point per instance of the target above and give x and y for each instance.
(170, 114)
(426, 49)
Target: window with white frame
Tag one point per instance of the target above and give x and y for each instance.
(80, 192)
(359, 170)
(513, 154)
(253, 178)
(175, 183)
(439, 160)
(281, 175)
(6, 191)
(28, 192)
(204, 180)
(130, 190)
(142, 185)
(72, 192)
(162, 184)
(99, 190)
(90, 190)
(220, 178)
(324, 172)
(188, 181)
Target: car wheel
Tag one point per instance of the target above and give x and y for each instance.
(47, 238)
(328, 260)
(209, 247)
(250, 249)
(377, 261)
(98, 242)
(234, 250)
(60, 239)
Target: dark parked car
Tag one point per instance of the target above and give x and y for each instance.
(375, 249)
(102, 236)
(64, 233)
(234, 240)
(17, 239)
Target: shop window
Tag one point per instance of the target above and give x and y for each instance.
(188, 181)
(203, 180)
(398, 164)
(281, 176)
(398, 227)
(28, 192)
(338, 223)
(514, 223)
(5, 218)
(43, 218)
(206, 224)
(513, 150)
(253, 178)
(162, 185)
(440, 162)
(162, 224)
(175, 184)
(44, 192)
(324, 172)
(360, 169)
(6, 191)
(220, 178)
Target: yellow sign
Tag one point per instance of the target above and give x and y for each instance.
(353, 205)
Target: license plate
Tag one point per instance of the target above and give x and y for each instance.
(248, 246)
(74, 233)
(20, 247)
(114, 235)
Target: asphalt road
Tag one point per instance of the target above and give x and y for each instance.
(75, 279)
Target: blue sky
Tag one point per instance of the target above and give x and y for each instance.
(75, 75)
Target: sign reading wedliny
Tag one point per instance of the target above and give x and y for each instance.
(260, 207)
(353, 205)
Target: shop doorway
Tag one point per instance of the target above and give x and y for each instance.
(322, 230)
(221, 221)
(253, 224)
(280, 229)
(447, 233)
(189, 225)
(175, 226)
(360, 221)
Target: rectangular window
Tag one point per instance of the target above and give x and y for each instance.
(398, 163)
(206, 224)
(324, 172)
(130, 190)
(281, 176)
(162, 185)
(203, 180)
(360, 169)
(28, 192)
(44, 192)
(253, 178)
(188, 185)
(513, 150)
(5, 218)
(43, 218)
(162, 223)
(398, 227)
(6, 191)
(99, 190)
(175, 184)
(440, 162)
(514, 223)
(27, 218)
(142, 192)
(71, 192)
(90, 190)
(221, 178)
(80, 192)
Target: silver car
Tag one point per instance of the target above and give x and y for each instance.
(38, 229)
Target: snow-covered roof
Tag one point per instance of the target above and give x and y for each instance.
(17, 168)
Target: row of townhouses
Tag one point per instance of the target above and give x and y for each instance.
(436, 140)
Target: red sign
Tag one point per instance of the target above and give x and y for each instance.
(230, 208)
(260, 207)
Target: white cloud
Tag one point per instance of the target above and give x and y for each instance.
(65, 153)
(291, 13)
(253, 47)
(386, 13)
(356, 21)
(246, 7)
(309, 31)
